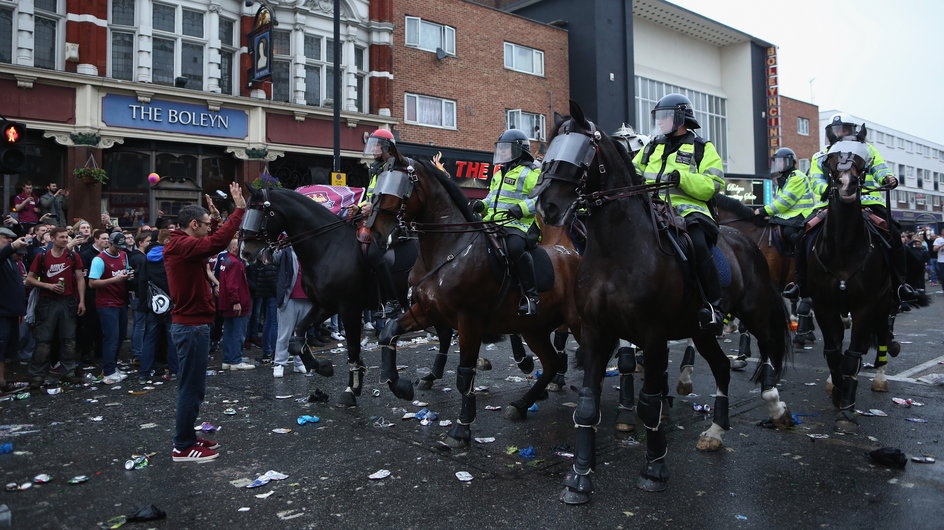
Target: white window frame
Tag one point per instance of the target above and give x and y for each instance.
(229, 47)
(803, 126)
(180, 39)
(122, 28)
(537, 59)
(360, 76)
(443, 101)
(513, 120)
(59, 18)
(412, 35)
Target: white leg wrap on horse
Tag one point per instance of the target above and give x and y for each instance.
(715, 431)
(685, 376)
(880, 373)
(775, 407)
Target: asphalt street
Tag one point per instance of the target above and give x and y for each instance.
(761, 478)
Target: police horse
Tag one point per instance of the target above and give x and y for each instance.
(464, 285)
(336, 276)
(631, 285)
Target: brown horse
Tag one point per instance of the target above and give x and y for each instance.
(461, 286)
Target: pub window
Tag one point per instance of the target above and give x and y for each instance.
(531, 124)
(803, 126)
(429, 111)
(281, 65)
(46, 22)
(523, 59)
(179, 46)
(316, 57)
(123, 34)
(430, 36)
(6, 35)
(360, 66)
(227, 54)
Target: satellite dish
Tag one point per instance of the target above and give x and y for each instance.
(440, 54)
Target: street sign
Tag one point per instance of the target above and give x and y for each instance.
(338, 179)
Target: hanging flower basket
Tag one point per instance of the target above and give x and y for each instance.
(91, 175)
(265, 180)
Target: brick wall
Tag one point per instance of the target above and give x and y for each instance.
(790, 110)
(476, 78)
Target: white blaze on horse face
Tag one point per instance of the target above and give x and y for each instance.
(847, 181)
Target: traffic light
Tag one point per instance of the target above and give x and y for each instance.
(12, 147)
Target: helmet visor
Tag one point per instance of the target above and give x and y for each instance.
(376, 146)
(573, 148)
(665, 121)
(842, 130)
(779, 164)
(506, 152)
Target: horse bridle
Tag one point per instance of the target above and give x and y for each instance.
(255, 222)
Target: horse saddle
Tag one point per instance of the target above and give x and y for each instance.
(875, 220)
(499, 264)
(667, 216)
(778, 241)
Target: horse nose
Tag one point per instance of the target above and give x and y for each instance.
(550, 213)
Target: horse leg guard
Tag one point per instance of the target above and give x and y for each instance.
(744, 352)
(577, 484)
(851, 363)
(388, 366)
(834, 361)
(804, 331)
(560, 378)
(524, 361)
(655, 473)
(626, 410)
(461, 434)
(436, 372)
(685, 385)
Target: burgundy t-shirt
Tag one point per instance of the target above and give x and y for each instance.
(26, 214)
(113, 294)
(62, 267)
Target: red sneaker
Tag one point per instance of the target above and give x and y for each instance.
(203, 442)
(194, 453)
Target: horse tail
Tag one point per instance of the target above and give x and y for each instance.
(923, 300)
(780, 348)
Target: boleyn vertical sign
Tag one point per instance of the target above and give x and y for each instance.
(773, 103)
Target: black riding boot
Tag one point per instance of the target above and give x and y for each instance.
(529, 298)
(711, 316)
(906, 293)
(797, 289)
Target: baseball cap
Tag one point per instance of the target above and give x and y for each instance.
(118, 239)
(7, 232)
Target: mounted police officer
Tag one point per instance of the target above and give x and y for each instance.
(508, 201)
(878, 173)
(794, 200)
(382, 147)
(630, 139)
(692, 164)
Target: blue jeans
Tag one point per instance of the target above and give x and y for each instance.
(137, 328)
(270, 328)
(193, 349)
(155, 326)
(234, 333)
(114, 325)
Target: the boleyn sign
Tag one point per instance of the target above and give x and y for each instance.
(170, 116)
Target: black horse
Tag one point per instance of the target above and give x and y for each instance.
(847, 272)
(631, 285)
(336, 276)
(459, 284)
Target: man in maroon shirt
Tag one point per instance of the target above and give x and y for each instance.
(185, 258)
(25, 205)
(57, 272)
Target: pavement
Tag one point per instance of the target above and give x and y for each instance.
(761, 478)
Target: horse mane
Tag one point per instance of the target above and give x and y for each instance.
(458, 198)
(634, 176)
(734, 206)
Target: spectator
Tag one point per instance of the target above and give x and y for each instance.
(293, 306)
(109, 275)
(234, 306)
(157, 328)
(24, 204)
(137, 258)
(12, 303)
(83, 232)
(58, 274)
(185, 257)
(938, 247)
(263, 277)
(88, 335)
(55, 202)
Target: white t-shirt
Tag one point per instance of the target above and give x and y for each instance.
(939, 241)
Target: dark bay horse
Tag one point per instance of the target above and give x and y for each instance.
(336, 276)
(630, 285)
(848, 273)
(458, 287)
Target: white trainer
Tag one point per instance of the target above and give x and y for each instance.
(278, 371)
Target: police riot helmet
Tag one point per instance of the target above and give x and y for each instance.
(512, 145)
(671, 112)
(783, 161)
(380, 142)
(628, 137)
(841, 126)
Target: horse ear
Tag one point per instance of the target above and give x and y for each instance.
(577, 114)
(558, 120)
(862, 133)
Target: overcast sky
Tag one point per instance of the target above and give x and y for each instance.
(881, 60)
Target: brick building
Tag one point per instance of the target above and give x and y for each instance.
(800, 130)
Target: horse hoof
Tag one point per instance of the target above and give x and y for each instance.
(526, 365)
(574, 497)
(347, 399)
(879, 386)
(846, 426)
(683, 389)
(648, 484)
(402, 388)
(785, 421)
(426, 383)
(738, 364)
(513, 413)
(708, 444)
(554, 387)
(325, 368)
(483, 364)
(456, 443)
(894, 348)
(829, 388)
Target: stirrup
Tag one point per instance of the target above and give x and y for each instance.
(528, 306)
(791, 291)
(710, 319)
(907, 293)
